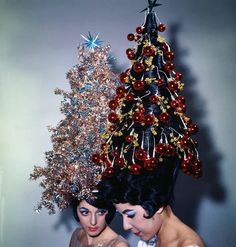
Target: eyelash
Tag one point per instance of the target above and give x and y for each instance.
(102, 212)
(84, 213)
(131, 215)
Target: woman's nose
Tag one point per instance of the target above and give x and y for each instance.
(93, 220)
(126, 224)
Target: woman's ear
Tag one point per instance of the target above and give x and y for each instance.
(160, 210)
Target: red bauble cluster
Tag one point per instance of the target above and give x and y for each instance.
(164, 117)
(173, 86)
(149, 119)
(153, 99)
(185, 142)
(148, 51)
(169, 55)
(113, 104)
(191, 129)
(139, 67)
(191, 166)
(137, 117)
(129, 97)
(120, 162)
(165, 149)
(150, 164)
(139, 85)
(135, 169)
(140, 154)
(113, 117)
(178, 76)
(168, 67)
(179, 104)
(129, 138)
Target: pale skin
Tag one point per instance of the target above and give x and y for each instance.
(171, 231)
(94, 227)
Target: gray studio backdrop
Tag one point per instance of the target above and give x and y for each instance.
(38, 41)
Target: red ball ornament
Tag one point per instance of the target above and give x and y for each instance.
(109, 172)
(173, 86)
(169, 55)
(150, 164)
(129, 138)
(170, 150)
(120, 90)
(131, 56)
(148, 51)
(185, 142)
(113, 104)
(137, 117)
(161, 27)
(185, 165)
(95, 158)
(181, 99)
(104, 146)
(129, 97)
(168, 67)
(135, 169)
(149, 119)
(129, 51)
(164, 47)
(160, 148)
(139, 30)
(141, 110)
(181, 108)
(124, 78)
(164, 117)
(178, 76)
(130, 36)
(120, 162)
(112, 128)
(160, 82)
(103, 157)
(139, 85)
(113, 117)
(116, 153)
(174, 104)
(137, 37)
(153, 99)
(193, 129)
(138, 67)
(140, 154)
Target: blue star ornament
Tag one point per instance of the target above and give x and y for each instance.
(91, 42)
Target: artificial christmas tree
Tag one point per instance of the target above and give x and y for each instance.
(69, 172)
(148, 124)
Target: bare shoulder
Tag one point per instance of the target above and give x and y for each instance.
(193, 243)
(121, 244)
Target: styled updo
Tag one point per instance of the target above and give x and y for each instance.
(151, 190)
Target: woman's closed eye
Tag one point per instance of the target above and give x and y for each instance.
(130, 214)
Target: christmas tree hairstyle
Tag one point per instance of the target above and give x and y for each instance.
(147, 123)
(70, 174)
